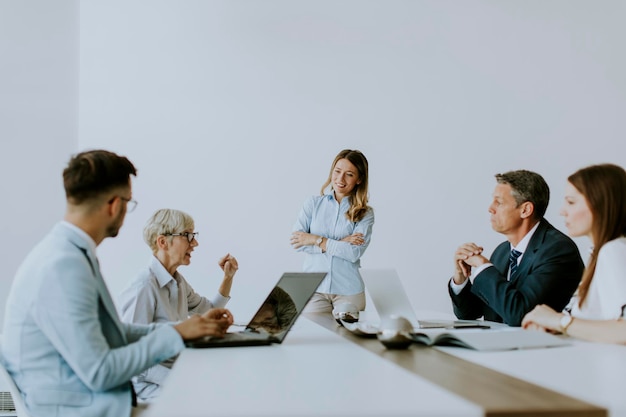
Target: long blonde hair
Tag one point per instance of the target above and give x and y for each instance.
(604, 188)
(359, 195)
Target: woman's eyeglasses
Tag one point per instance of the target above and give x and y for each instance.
(189, 235)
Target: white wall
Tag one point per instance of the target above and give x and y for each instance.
(38, 122)
(233, 111)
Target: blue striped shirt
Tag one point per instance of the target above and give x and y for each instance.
(324, 216)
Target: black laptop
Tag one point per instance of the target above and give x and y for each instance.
(275, 317)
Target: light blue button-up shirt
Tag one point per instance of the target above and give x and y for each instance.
(325, 216)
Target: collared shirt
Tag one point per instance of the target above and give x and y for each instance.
(155, 296)
(325, 216)
(90, 242)
(521, 247)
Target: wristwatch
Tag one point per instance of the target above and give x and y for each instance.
(319, 241)
(566, 321)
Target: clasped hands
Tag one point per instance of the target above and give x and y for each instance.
(467, 256)
(470, 255)
(299, 239)
(214, 322)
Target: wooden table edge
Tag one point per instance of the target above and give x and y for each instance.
(498, 394)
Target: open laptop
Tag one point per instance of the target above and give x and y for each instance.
(275, 317)
(389, 298)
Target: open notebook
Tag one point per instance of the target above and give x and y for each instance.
(275, 317)
(496, 339)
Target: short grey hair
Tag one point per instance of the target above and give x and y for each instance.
(163, 222)
(527, 186)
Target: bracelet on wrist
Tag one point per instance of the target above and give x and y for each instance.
(565, 322)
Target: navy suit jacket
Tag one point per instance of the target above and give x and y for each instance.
(548, 273)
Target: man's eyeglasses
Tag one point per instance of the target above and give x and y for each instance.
(189, 235)
(130, 204)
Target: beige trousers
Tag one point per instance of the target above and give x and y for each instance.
(323, 303)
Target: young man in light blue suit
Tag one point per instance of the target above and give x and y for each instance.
(63, 342)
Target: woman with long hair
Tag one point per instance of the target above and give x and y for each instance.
(334, 230)
(595, 206)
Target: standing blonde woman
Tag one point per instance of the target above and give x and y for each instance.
(160, 294)
(334, 230)
(595, 206)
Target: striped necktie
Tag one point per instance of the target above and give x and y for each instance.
(513, 261)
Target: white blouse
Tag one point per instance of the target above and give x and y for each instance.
(607, 292)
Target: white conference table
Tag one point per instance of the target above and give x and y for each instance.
(592, 372)
(323, 370)
(314, 372)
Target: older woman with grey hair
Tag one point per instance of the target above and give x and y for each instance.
(161, 294)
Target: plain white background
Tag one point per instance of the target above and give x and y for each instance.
(38, 122)
(233, 112)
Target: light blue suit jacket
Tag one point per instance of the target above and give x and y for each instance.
(63, 342)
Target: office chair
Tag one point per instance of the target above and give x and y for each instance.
(16, 395)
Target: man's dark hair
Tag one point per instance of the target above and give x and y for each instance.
(527, 186)
(92, 173)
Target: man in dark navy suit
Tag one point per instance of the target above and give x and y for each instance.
(536, 265)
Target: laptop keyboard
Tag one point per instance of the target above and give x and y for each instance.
(237, 336)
